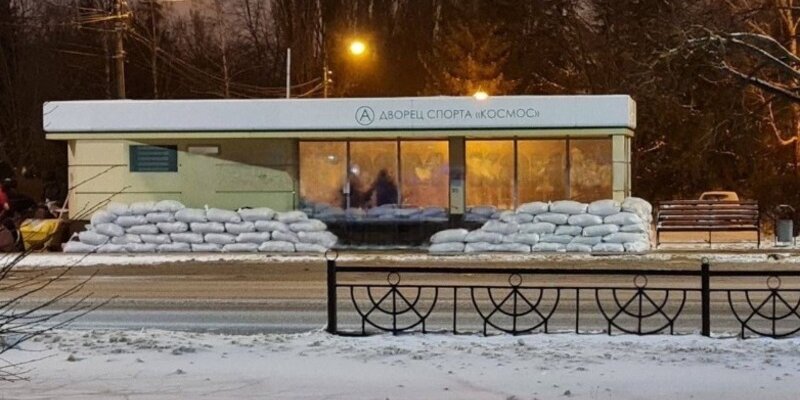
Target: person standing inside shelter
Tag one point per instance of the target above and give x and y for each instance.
(385, 189)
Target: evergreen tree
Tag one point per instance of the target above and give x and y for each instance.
(468, 55)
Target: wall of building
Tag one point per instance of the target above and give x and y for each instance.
(253, 172)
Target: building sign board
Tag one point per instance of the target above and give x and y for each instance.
(405, 113)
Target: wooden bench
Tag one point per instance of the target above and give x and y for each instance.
(708, 216)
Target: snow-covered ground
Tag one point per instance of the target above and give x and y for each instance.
(170, 365)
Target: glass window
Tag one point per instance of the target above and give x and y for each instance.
(425, 173)
(590, 169)
(542, 170)
(322, 172)
(373, 173)
(153, 158)
(490, 173)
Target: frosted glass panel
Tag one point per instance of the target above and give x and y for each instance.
(367, 160)
(490, 173)
(322, 171)
(590, 169)
(425, 172)
(542, 170)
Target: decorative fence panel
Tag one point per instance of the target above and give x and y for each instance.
(371, 299)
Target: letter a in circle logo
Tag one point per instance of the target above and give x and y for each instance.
(365, 116)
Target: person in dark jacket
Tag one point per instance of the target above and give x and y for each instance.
(385, 189)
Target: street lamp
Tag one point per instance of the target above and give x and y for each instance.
(481, 95)
(357, 47)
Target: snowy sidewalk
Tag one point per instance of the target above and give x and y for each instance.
(172, 365)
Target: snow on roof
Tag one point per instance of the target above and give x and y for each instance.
(400, 113)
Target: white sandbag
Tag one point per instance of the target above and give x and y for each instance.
(634, 228)
(600, 230)
(271, 226)
(623, 218)
(569, 229)
(284, 236)
(222, 216)
(169, 206)
(206, 248)
(332, 213)
(603, 207)
(475, 218)
(478, 247)
(548, 247)
(608, 248)
(623, 237)
(240, 227)
(497, 214)
(325, 239)
(118, 209)
(355, 213)
(143, 230)
(156, 217)
(449, 236)
(142, 207)
(309, 248)
(637, 247)
(310, 225)
(551, 238)
(240, 248)
(503, 228)
(189, 215)
(484, 211)
(587, 240)
(290, 217)
(109, 248)
(220, 238)
(78, 247)
(512, 248)
(446, 247)
(434, 212)
(174, 248)
(207, 227)
(252, 237)
(92, 238)
(553, 218)
(156, 239)
(512, 217)
(524, 238)
(141, 247)
(477, 236)
(568, 207)
(186, 237)
(639, 207)
(407, 212)
(127, 221)
(172, 227)
(109, 229)
(538, 227)
(127, 239)
(584, 220)
(276, 246)
(534, 208)
(102, 217)
(256, 214)
(578, 248)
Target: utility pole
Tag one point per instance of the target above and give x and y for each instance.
(154, 49)
(288, 72)
(120, 54)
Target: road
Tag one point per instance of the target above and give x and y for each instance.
(251, 297)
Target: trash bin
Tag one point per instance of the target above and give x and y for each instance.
(784, 225)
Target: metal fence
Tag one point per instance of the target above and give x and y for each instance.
(523, 300)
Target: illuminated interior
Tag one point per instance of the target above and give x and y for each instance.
(542, 170)
(490, 173)
(590, 169)
(425, 173)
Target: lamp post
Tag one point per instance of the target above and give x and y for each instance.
(356, 48)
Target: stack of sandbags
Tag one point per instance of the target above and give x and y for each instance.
(387, 212)
(169, 227)
(562, 226)
(480, 213)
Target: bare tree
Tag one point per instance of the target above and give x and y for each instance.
(765, 56)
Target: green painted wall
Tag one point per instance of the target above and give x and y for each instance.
(252, 172)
